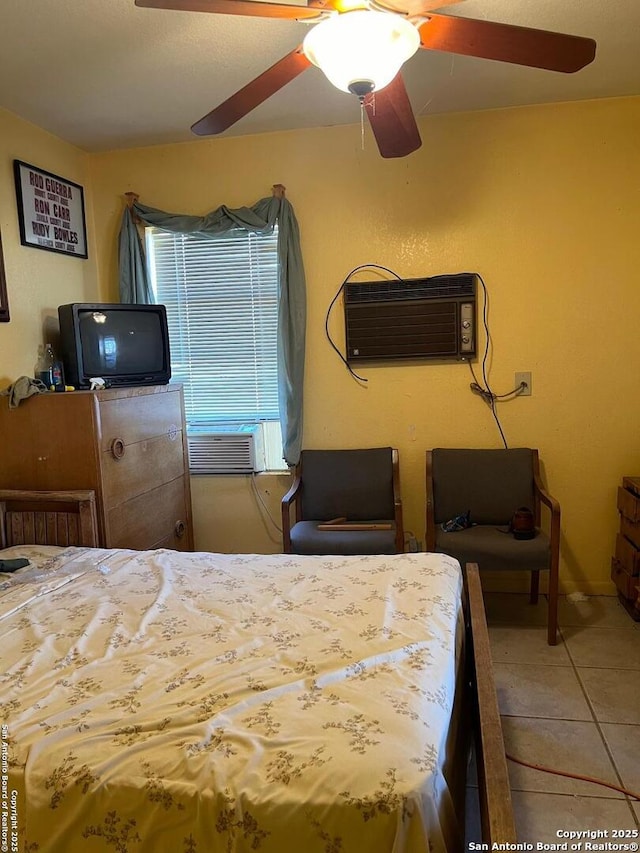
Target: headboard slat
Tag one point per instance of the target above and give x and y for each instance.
(48, 518)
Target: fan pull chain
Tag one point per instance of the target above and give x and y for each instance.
(372, 104)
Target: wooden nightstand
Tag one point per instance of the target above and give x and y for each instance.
(625, 565)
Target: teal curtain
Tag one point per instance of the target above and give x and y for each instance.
(261, 219)
(134, 280)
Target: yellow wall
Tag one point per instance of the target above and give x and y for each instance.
(38, 281)
(541, 201)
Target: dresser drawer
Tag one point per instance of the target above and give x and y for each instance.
(629, 505)
(156, 516)
(133, 469)
(627, 555)
(630, 530)
(627, 584)
(132, 419)
(173, 542)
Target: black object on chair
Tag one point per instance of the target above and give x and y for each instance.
(357, 490)
(494, 485)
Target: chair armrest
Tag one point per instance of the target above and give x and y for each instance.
(292, 495)
(554, 508)
(430, 527)
(554, 566)
(398, 518)
(545, 497)
(397, 501)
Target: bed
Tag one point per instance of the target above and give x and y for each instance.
(202, 702)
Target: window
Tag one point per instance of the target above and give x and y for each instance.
(221, 296)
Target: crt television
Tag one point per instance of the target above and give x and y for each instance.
(120, 343)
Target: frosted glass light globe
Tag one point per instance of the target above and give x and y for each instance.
(363, 46)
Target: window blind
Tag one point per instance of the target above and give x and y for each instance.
(221, 296)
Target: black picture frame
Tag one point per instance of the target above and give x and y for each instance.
(50, 211)
(4, 299)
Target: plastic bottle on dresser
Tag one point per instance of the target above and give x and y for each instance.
(40, 370)
(49, 368)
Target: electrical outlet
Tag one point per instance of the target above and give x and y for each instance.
(526, 378)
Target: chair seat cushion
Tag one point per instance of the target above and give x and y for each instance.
(492, 549)
(307, 539)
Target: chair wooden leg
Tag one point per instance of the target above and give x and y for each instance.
(535, 586)
(552, 623)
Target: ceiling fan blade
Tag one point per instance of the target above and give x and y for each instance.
(392, 120)
(416, 7)
(432, 5)
(240, 7)
(253, 94)
(507, 43)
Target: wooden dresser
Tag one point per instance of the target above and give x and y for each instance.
(128, 445)
(625, 565)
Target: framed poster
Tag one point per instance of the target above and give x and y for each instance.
(4, 302)
(50, 211)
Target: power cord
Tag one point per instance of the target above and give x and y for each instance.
(484, 390)
(266, 512)
(487, 396)
(625, 791)
(333, 301)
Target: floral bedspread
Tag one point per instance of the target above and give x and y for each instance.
(195, 703)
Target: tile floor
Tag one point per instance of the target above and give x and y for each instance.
(572, 707)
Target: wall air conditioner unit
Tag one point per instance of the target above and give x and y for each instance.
(415, 318)
(237, 449)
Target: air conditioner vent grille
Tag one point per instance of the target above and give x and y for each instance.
(236, 450)
(422, 318)
(436, 287)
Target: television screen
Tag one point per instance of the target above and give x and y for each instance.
(116, 343)
(120, 343)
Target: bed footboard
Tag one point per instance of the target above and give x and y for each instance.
(48, 518)
(496, 809)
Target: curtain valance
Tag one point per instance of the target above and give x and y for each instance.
(260, 218)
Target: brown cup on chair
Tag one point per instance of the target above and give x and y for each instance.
(523, 524)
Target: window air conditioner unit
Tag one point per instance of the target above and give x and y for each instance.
(235, 449)
(416, 318)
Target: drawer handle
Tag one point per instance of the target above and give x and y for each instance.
(172, 432)
(180, 529)
(117, 448)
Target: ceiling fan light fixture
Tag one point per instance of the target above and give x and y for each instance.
(361, 48)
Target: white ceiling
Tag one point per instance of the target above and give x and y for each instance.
(104, 74)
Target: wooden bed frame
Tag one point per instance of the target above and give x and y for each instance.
(69, 518)
(496, 810)
(48, 518)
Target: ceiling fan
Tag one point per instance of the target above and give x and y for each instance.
(361, 45)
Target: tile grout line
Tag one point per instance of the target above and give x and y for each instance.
(598, 727)
(561, 719)
(571, 664)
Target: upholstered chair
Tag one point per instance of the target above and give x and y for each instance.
(344, 502)
(492, 485)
